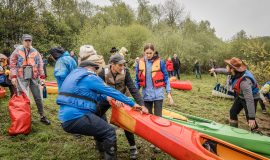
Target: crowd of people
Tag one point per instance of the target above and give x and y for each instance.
(87, 87)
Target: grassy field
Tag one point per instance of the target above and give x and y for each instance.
(51, 142)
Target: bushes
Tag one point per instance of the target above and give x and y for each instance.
(257, 58)
(103, 39)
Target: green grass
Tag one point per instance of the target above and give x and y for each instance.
(51, 142)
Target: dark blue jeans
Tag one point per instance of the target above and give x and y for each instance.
(101, 112)
(157, 107)
(177, 73)
(198, 73)
(92, 125)
(170, 73)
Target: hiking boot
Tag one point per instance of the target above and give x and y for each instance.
(133, 152)
(264, 111)
(77, 136)
(109, 151)
(157, 150)
(234, 124)
(45, 120)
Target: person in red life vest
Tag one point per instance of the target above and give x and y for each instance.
(26, 71)
(152, 76)
(246, 92)
(169, 66)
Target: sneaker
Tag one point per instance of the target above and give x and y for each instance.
(44, 120)
(77, 136)
(264, 111)
(157, 150)
(133, 152)
(152, 146)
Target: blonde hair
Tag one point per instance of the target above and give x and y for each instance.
(123, 51)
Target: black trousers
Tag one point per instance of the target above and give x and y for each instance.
(10, 87)
(262, 104)
(101, 112)
(237, 106)
(157, 107)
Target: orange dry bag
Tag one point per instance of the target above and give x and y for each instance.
(20, 114)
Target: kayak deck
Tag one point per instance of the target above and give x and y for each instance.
(177, 140)
(240, 137)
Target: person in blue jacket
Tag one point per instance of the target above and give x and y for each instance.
(152, 76)
(79, 96)
(64, 64)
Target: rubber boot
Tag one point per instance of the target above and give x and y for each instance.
(100, 149)
(110, 151)
(234, 123)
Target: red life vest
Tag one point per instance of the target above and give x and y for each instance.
(169, 65)
(236, 84)
(157, 75)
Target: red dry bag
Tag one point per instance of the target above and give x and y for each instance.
(20, 114)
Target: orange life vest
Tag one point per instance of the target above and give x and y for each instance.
(157, 75)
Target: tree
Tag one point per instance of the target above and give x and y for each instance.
(174, 12)
(240, 35)
(144, 15)
(156, 13)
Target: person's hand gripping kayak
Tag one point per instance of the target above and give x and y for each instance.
(136, 107)
(141, 109)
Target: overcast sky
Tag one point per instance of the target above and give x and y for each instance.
(226, 16)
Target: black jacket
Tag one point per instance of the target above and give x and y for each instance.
(176, 63)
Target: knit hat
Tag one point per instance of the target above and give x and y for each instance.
(86, 51)
(96, 59)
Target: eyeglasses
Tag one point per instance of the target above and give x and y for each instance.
(28, 40)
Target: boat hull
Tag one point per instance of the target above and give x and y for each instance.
(240, 137)
(177, 140)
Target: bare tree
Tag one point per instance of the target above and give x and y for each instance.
(157, 13)
(173, 11)
(144, 13)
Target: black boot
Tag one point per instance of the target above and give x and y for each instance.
(45, 120)
(100, 149)
(110, 151)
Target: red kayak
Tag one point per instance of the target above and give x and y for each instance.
(53, 84)
(181, 85)
(178, 141)
(52, 87)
